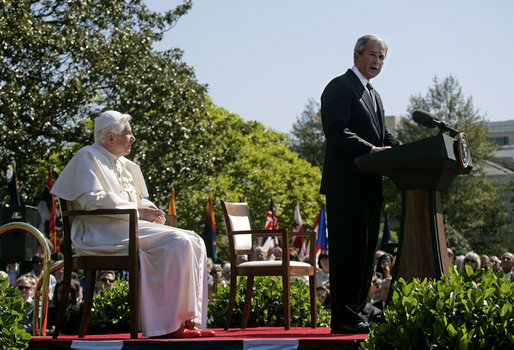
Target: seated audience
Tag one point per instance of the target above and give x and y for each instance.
(226, 272)
(105, 280)
(323, 295)
(507, 262)
(275, 253)
(459, 261)
(37, 270)
(13, 271)
(259, 254)
(485, 262)
(99, 176)
(472, 260)
(293, 255)
(384, 268)
(73, 312)
(25, 289)
(241, 259)
(495, 262)
(380, 298)
(323, 274)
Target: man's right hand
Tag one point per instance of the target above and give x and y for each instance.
(378, 149)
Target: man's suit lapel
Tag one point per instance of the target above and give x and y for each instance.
(380, 117)
(363, 93)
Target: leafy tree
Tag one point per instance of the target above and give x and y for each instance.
(252, 162)
(471, 205)
(307, 137)
(64, 61)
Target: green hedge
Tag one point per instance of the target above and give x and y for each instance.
(12, 309)
(468, 310)
(111, 312)
(267, 306)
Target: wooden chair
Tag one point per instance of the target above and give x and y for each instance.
(240, 237)
(93, 263)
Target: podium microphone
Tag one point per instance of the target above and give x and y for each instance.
(430, 121)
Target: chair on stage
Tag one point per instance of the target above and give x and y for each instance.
(93, 263)
(240, 237)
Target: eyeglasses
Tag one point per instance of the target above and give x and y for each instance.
(507, 258)
(107, 280)
(473, 261)
(24, 288)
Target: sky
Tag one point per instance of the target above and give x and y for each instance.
(264, 59)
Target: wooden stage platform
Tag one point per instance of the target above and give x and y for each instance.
(262, 338)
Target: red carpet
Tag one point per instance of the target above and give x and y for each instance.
(250, 338)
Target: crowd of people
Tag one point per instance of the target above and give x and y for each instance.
(25, 282)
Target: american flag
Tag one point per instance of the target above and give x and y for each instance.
(270, 224)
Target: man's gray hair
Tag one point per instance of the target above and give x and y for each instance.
(116, 127)
(363, 41)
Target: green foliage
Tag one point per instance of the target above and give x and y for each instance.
(63, 62)
(12, 309)
(267, 306)
(111, 312)
(468, 310)
(247, 160)
(307, 136)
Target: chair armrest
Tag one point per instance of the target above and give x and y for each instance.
(261, 233)
(100, 212)
(133, 228)
(311, 234)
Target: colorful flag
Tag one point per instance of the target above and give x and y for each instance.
(171, 206)
(209, 232)
(299, 241)
(386, 233)
(270, 224)
(320, 228)
(47, 214)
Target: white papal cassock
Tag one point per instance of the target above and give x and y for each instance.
(173, 261)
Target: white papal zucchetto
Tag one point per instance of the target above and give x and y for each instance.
(106, 119)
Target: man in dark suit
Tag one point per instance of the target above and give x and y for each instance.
(353, 121)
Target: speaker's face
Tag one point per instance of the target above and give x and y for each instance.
(371, 60)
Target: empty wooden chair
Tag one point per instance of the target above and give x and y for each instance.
(240, 238)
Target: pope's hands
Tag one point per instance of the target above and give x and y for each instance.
(152, 214)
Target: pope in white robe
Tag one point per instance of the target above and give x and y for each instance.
(173, 262)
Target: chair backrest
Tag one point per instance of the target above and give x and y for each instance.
(237, 218)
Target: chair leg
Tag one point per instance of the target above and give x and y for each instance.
(286, 283)
(248, 301)
(65, 299)
(133, 303)
(88, 301)
(231, 299)
(312, 287)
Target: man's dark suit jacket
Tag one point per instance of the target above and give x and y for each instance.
(354, 197)
(351, 128)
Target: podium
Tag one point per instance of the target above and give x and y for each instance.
(421, 169)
